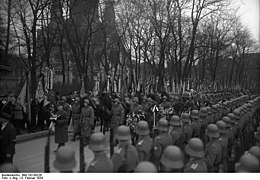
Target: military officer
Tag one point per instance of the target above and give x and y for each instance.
(117, 117)
(76, 110)
(125, 159)
(144, 143)
(100, 163)
(87, 117)
(213, 149)
(196, 163)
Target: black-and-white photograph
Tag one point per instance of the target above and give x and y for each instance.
(129, 86)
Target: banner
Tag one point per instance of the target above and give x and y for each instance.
(40, 91)
(22, 94)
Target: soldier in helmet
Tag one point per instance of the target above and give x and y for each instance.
(144, 143)
(76, 110)
(187, 129)
(195, 125)
(214, 110)
(172, 159)
(87, 117)
(210, 115)
(100, 163)
(224, 143)
(125, 159)
(117, 117)
(195, 150)
(176, 131)
(145, 167)
(213, 149)
(255, 151)
(247, 163)
(135, 106)
(65, 160)
(165, 104)
(161, 141)
(204, 121)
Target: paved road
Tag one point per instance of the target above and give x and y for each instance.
(29, 155)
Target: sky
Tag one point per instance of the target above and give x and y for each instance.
(250, 16)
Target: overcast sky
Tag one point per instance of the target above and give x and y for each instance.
(249, 11)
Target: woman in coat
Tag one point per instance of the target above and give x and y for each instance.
(61, 126)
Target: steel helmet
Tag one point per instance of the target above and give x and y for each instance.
(212, 131)
(185, 117)
(194, 114)
(65, 159)
(255, 151)
(145, 167)
(97, 142)
(247, 163)
(175, 121)
(142, 128)
(227, 120)
(195, 148)
(221, 126)
(172, 157)
(123, 133)
(163, 125)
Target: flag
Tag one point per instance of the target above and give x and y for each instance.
(82, 88)
(22, 94)
(40, 91)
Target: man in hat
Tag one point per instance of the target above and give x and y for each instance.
(87, 120)
(195, 150)
(117, 117)
(176, 132)
(100, 163)
(65, 160)
(195, 125)
(213, 149)
(125, 159)
(135, 106)
(7, 139)
(172, 159)
(161, 141)
(144, 143)
(76, 110)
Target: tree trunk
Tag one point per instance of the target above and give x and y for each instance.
(8, 31)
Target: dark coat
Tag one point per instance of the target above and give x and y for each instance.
(7, 141)
(61, 127)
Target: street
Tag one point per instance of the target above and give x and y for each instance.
(29, 156)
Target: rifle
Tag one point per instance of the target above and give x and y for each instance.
(47, 154)
(81, 151)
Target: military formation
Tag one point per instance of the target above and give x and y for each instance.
(217, 132)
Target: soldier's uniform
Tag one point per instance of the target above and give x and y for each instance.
(87, 121)
(213, 148)
(135, 107)
(131, 159)
(76, 110)
(101, 163)
(196, 165)
(177, 137)
(143, 148)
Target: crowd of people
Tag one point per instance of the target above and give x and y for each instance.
(214, 132)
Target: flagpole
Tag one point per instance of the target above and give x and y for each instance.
(28, 96)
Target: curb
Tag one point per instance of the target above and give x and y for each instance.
(31, 136)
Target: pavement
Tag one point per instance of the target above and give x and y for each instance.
(30, 151)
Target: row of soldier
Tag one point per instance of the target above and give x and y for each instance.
(213, 139)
